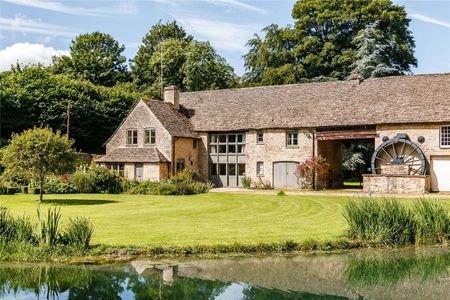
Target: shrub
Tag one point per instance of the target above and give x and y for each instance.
(83, 182)
(312, 170)
(432, 222)
(201, 187)
(105, 181)
(24, 230)
(281, 193)
(79, 233)
(50, 227)
(165, 188)
(144, 187)
(246, 182)
(57, 185)
(263, 185)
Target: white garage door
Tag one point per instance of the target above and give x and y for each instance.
(440, 173)
(283, 175)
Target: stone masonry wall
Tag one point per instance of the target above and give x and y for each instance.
(203, 155)
(140, 118)
(274, 149)
(401, 184)
(184, 149)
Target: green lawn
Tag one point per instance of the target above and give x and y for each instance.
(213, 218)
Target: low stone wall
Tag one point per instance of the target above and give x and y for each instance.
(396, 184)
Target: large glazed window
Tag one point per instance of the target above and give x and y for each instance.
(226, 158)
(445, 136)
(132, 137)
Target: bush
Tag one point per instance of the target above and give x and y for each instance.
(246, 182)
(79, 233)
(263, 185)
(165, 188)
(144, 187)
(281, 193)
(57, 185)
(97, 180)
(312, 170)
(24, 230)
(83, 182)
(432, 222)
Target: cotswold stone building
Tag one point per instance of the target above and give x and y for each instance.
(263, 132)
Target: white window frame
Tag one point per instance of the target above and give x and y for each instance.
(259, 168)
(290, 139)
(151, 136)
(441, 145)
(258, 135)
(131, 139)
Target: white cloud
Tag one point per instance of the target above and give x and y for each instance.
(24, 25)
(222, 35)
(431, 20)
(123, 7)
(26, 53)
(238, 4)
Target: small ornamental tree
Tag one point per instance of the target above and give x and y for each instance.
(312, 172)
(37, 153)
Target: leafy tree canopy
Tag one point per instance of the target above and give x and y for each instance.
(320, 43)
(186, 63)
(96, 57)
(37, 153)
(36, 97)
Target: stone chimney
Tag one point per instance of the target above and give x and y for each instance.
(172, 95)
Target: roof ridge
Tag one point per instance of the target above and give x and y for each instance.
(317, 83)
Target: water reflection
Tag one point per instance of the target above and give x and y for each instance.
(406, 274)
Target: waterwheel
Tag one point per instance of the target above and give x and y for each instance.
(401, 152)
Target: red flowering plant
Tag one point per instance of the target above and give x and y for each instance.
(312, 173)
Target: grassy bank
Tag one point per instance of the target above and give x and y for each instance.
(214, 223)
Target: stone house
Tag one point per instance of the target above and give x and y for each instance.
(263, 132)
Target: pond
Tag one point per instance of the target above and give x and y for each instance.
(389, 274)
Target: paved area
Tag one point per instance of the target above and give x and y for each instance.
(336, 192)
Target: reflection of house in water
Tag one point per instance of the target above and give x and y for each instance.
(167, 271)
(368, 274)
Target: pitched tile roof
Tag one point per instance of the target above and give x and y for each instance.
(388, 100)
(175, 122)
(131, 154)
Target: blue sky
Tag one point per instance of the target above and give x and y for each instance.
(34, 30)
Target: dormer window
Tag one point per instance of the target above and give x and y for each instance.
(132, 137)
(150, 136)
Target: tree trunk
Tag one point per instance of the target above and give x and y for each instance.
(41, 189)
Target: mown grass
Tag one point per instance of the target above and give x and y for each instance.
(206, 223)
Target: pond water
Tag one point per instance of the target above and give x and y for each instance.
(388, 274)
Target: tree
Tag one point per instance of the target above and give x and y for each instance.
(186, 63)
(150, 44)
(371, 59)
(41, 98)
(37, 153)
(320, 43)
(96, 57)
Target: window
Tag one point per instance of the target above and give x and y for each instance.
(222, 169)
(222, 139)
(445, 136)
(213, 148)
(260, 137)
(194, 143)
(231, 148)
(232, 169)
(223, 149)
(132, 137)
(260, 168)
(150, 136)
(180, 164)
(292, 138)
(213, 169)
(241, 169)
(119, 168)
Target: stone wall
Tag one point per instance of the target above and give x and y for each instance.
(184, 149)
(151, 172)
(140, 118)
(274, 149)
(396, 184)
(203, 155)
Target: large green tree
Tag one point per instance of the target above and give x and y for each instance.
(320, 43)
(186, 63)
(37, 153)
(96, 57)
(36, 97)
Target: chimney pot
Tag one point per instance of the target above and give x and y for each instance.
(172, 95)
